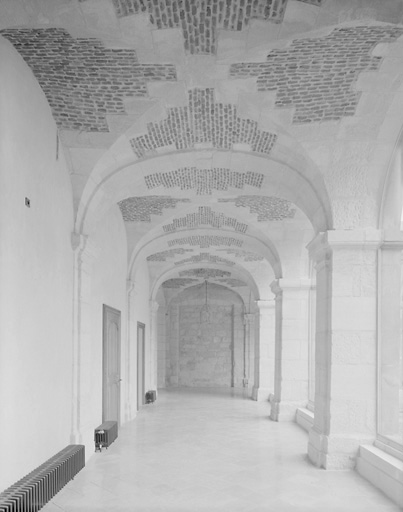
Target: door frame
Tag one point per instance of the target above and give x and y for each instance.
(105, 310)
(141, 365)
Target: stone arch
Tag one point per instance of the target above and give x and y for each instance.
(238, 273)
(289, 174)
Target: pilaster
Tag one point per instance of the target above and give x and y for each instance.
(264, 351)
(291, 347)
(345, 348)
(84, 255)
(390, 370)
(153, 344)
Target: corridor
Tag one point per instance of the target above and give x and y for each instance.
(212, 449)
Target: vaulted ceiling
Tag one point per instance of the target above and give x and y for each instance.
(193, 117)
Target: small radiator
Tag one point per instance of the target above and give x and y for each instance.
(33, 491)
(105, 434)
(151, 396)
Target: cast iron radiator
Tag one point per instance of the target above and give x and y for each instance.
(105, 434)
(33, 491)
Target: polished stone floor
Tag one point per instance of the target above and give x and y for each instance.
(205, 450)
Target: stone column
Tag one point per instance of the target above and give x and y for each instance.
(249, 342)
(153, 344)
(264, 351)
(84, 254)
(345, 349)
(291, 347)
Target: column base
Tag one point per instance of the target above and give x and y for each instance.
(284, 411)
(261, 394)
(334, 452)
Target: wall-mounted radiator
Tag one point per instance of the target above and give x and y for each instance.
(33, 491)
(105, 434)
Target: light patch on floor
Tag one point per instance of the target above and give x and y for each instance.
(212, 450)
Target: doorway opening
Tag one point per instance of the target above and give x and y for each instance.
(111, 365)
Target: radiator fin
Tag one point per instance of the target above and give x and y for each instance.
(33, 491)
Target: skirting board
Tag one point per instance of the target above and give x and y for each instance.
(382, 470)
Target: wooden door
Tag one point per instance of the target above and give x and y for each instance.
(111, 365)
(140, 364)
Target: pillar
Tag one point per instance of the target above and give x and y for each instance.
(264, 351)
(345, 348)
(291, 347)
(389, 336)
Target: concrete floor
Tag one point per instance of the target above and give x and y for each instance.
(208, 450)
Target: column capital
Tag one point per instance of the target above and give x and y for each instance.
(280, 285)
(265, 304)
(154, 305)
(78, 241)
(346, 239)
(130, 284)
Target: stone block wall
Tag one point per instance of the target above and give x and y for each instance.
(205, 349)
(205, 352)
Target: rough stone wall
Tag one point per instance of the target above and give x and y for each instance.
(205, 348)
(205, 353)
(82, 80)
(203, 121)
(317, 76)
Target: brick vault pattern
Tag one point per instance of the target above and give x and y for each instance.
(233, 283)
(266, 208)
(205, 258)
(203, 121)
(204, 181)
(82, 80)
(206, 241)
(178, 282)
(135, 209)
(312, 2)
(205, 216)
(245, 255)
(317, 76)
(200, 19)
(205, 273)
(163, 255)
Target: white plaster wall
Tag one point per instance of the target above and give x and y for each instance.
(108, 286)
(36, 269)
